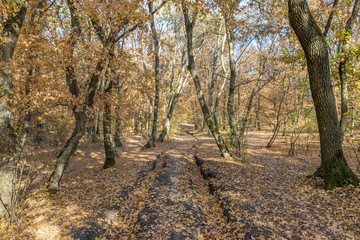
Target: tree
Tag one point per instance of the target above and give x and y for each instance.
(189, 26)
(152, 139)
(344, 48)
(109, 142)
(230, 104)
(334, 168)
(80, 108)
(9, 36)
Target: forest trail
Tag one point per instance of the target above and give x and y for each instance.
(183, 189)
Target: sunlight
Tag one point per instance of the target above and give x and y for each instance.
(47, 231)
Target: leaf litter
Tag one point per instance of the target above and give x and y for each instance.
(182, 189)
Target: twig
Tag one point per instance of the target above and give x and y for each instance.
(7, 217)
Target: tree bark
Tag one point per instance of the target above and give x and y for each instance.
(9, 37)
(152, 140)
(189, 26)
(232, 87)
(344, 49)
(117, 136)
(109, 143)
(68, 149)
(334, 168)
(79, 110)
(258, 120)
(181, 83)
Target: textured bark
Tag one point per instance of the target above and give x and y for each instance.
(9, 35)
(334, 168)
(344, 49)
(109, 143)
(232, 87)
(222, 86)
(189, 26)
(212, 84)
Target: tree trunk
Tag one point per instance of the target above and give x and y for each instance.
(26, 123)
(352, 123)
(189, 25)
(258, 121)
(232, 87)
(109, 143)
(9, 36)
(97, 127)
(245, 118)
(80, 113)
(181, 83)
(68, 150)
(117, 136)
(334, 168)
(167, 123)
(344, 49)
(152, 140)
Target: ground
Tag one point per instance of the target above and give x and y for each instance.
(183, 189)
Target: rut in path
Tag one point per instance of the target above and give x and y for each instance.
(179, 204)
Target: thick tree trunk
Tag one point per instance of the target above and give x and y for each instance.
(9, 36)
(344, 49)
(189, 25)
(334, 168)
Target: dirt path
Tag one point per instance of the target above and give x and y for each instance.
(183, 189)
(269, 196)
(178, 201)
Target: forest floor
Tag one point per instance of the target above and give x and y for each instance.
(182, 189)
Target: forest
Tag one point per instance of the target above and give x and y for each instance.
(179, 119)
